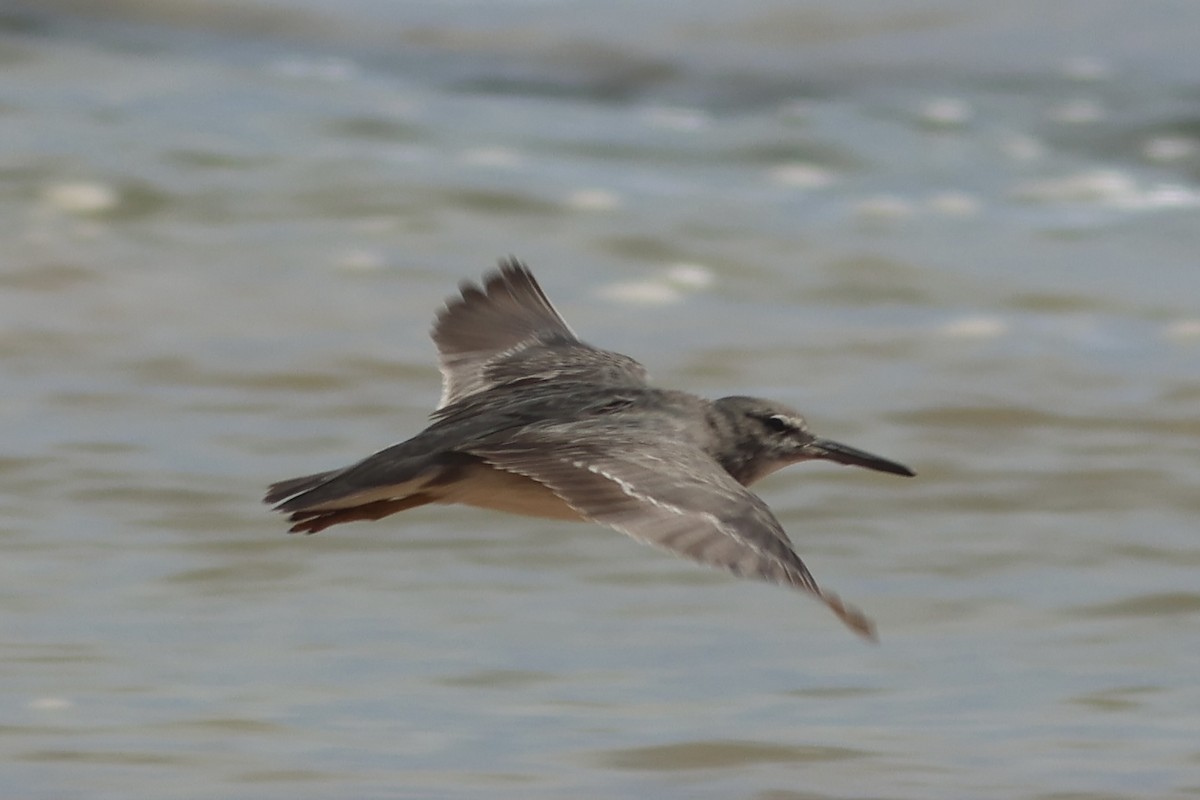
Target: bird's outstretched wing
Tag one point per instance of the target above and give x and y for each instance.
(670, 495)
(506, 331)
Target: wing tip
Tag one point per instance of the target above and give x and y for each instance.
(510, 264)
(851, 616)
(509, 271)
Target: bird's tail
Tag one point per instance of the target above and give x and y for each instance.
(277, 492)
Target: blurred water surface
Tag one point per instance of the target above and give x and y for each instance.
(959, 234)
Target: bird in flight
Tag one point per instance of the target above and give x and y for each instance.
(534, 421)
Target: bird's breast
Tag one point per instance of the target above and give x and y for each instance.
(484, 486)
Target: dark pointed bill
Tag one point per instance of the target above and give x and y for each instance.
(829, 450)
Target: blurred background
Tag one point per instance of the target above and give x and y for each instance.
(964, 235)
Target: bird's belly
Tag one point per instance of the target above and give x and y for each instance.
(485, 487)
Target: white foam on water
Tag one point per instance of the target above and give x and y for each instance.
(1169, 149)
(945, 112)
(955, 204)
(1106, 187)
(81, 197)
(644, 293)
(1182, 330)
(801, 175)
(593, 200)
(690, 276)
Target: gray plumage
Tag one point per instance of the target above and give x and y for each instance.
(534, 421)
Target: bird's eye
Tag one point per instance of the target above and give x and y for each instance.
(777, 423)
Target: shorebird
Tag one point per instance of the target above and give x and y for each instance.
(534, 421)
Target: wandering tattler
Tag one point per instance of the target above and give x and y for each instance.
(534, 421)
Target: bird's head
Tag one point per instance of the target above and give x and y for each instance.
(771, 436)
